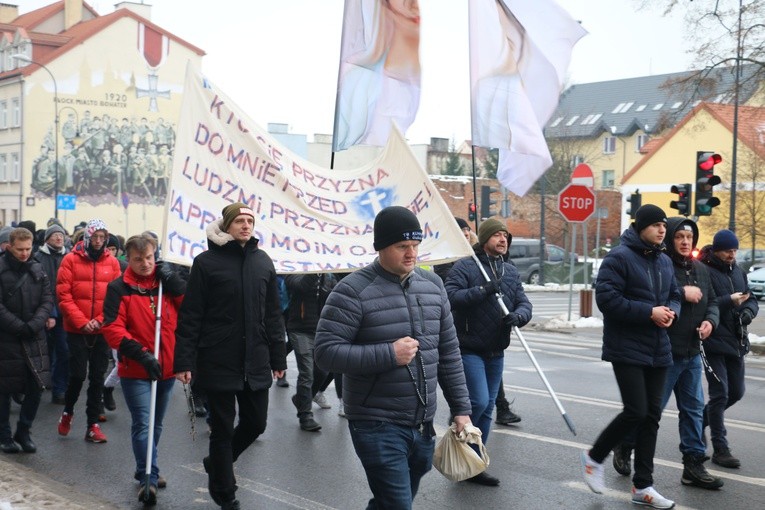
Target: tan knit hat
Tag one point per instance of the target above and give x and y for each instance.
(230, 212)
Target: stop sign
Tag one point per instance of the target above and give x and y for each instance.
(576, 203)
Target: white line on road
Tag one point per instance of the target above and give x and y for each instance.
(268, 491)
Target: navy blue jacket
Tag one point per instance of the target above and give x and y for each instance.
(633, 278)
(729, 338)
(477, 315)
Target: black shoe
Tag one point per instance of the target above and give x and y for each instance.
(9, 446)
(484, 479)
(309, 424)
(695, 474)
(230, 505)
(58, 399)
(282, 382)
(148, 498)
(161, 482)
(24, 440)
(622, 464)
(109, 402)
(724, 458)
(507, 417)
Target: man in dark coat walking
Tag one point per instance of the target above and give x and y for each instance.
(637, 292)
(25, 305)
(230, 338)
(729, 342)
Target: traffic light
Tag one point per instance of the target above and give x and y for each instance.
(705, 182)
(471, 211)
(634, 200)
(683, 202)
(487, 202)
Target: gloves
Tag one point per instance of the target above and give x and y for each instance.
(746, 316)
(151, 365)
(491, 287)
(164, 271)
(511, 319)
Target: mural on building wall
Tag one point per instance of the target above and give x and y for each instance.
(107, 152)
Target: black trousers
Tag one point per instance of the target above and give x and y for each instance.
(88, 356)
(228, 442)
(642, 389)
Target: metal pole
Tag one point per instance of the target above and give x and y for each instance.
(542, 240)
(733, 183)
(153, 395)
(572, 260)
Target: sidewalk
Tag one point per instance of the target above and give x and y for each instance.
(23, 489)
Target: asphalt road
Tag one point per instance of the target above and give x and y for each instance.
(287, 468)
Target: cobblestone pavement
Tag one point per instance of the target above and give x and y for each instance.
(23, 489)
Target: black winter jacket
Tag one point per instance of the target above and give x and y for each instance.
(369, 310)
(729, 338)
(633, 278)
(308, 293)
(477, 315)
(23, 314)
(50, 261)
(230, 326)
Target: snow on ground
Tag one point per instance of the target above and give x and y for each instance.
(561, 322)
(554, 287)
(754, 339)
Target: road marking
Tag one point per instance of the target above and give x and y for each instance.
(268, 491)
(666, 463)
(613, 494)
(611, 404)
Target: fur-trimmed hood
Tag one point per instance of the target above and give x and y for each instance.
(216, 235)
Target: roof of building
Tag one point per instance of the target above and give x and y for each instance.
(47, 47)
(647, 103)
(751, 129)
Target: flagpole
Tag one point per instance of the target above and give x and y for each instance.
(475, 188)
(337, 91)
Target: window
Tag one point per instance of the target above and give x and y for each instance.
(572, 120)
(677, 105)
(618, 108)
(577, 160)
(641, 108)
(595, 118)
(3, 168)
(607, 179)
(16, 112)
(658, 106)
(609, 145)
(626, 107)
(587, 119)
(15, 167)
(556, 122)
(3, 114)
(641, 140)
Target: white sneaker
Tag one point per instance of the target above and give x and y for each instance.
(321, 400)
(341, 410)
(593, 474)
(649, 497)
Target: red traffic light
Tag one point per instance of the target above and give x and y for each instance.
(707, 160)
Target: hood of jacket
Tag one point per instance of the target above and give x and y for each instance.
(217, 237)
(673, 225)
(707, 256)
(631, 239)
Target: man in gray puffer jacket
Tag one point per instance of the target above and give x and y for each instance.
(388, 329)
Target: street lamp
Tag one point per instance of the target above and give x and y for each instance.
(24, 58)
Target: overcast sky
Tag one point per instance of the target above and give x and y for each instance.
(278, 59)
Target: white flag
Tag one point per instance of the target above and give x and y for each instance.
(307, 218)
(379, 79)
(519, 53)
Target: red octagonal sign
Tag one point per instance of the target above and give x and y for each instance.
(576, 203)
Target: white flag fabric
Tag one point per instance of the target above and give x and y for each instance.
(307, 218)
(519, 53)
(379, 78)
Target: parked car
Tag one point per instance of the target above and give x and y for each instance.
(757, 283)
(524, 253)
(746, 261)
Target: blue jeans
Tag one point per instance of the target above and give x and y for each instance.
(58, 348)
(395, 458)
(684, 378)
(137, 394)
(483, 377)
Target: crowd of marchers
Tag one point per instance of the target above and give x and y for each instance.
(388, 335)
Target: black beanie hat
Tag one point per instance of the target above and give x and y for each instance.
(462, 223)
(395, 224)
(647, 215)
(724, 240)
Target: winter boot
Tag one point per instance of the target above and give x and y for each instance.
(695, 474)
(622, 461)
(723, 457)
(23, 438)
(109, 402)
(9, 446)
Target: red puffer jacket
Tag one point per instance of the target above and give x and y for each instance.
(129, 317)
(81, 286)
